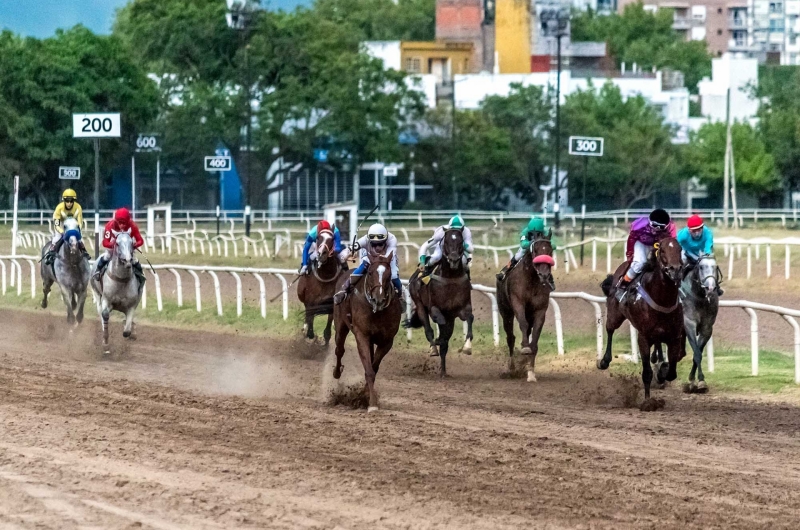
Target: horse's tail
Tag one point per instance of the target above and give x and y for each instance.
(414, 322)
(607, 285)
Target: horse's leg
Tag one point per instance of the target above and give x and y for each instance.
(524, 327)
(697, 352)
(702, 340)
(326, 334)
(341, 335)
(366, 353)
(66, 297)
(508, 327)
(104, 314)
(47, 284)
(127, 332)
(467, 316)
(647, 374)
(80, 303)
(309, 325)
(380, 352)
(424, 317)
(536, 332)
(614, 319)
(445, 332)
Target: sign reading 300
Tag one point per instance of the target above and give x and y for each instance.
(585, 146)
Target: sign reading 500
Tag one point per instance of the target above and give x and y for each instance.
(99, 125)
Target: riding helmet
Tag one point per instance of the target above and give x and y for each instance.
(659, 217)
(695, 222)
(536, 224)
(377, 233)
(123, 216)
(69, 193)
(323, 225)
(456, 223)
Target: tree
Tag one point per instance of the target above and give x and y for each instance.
(413, 20)
(639, 160)
(645, 38)
(755, 168)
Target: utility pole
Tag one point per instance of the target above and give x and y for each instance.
(556, 177)
(727, 175)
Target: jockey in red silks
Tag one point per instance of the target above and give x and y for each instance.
(645, 233)
(310, 247)
(121, 222)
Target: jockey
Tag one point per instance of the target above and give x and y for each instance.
(696, 240)
(430, 253)
(645, 233)
(311, 241)
(384, 243)
(66, 209)
(529, 234)
(121, 222)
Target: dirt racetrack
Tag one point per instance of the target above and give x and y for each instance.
(185, 429)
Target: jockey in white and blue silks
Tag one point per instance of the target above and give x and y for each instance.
(384, 243)
(309, 249)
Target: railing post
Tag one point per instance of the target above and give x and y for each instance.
(598, 318)
(262, 295)
(238, 293)
(753, 340)
(710, 354)
(178, 286)
(559, 328)
(197, 297)
(217, 291)
(634, 344)
(285, 288)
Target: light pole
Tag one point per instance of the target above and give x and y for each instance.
(239, 17)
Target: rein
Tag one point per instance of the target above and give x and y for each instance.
(315, 272)
(653, 304)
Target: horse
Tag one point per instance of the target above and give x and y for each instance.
(118, 289)
(525, 294)
(316, 290)
(700, 306)
(372, 313)
(444, 297)
(71, 271)
(655, 311)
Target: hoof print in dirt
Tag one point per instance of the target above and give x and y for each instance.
(652, 404)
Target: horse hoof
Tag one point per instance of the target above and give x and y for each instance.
(651, 405)
(661, 374)
(702, 387)
(337, 373)
(126, 334)
(690, 387)
(434, 351)
(526, 351)
(531, 376)
(44, 304)
(602, 365)
(372, 409)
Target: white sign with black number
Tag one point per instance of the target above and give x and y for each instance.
(390, 171)
(101, 125)
(585, 146)
(147, 142)
(69, 173)
(218, 163)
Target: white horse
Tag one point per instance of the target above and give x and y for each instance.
(118, 289)
(70, 271)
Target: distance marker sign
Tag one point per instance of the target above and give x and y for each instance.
(585, 146)
(99, 125)
(69, 173)
(218, 163)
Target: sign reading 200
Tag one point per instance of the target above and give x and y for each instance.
(102, 125)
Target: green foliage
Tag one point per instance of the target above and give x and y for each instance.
(639, 158)
(755, 168)
(645, 38)
(412, 20)
(779, 119)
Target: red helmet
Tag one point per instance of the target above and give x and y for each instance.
(123, 217)
(323, 225)
(695, 222)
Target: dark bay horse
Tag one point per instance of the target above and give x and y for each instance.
(700, 306)
(525, 294)
(444, 296)
(316, 289)
(372, 313)
(652, 305)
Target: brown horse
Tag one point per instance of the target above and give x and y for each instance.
(316, 289)
(525, 294)
(653, 307)
(444, 297)
(372, 312)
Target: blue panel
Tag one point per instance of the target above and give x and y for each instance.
(231, 184)
(121, 194)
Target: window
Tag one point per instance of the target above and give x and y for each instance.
(776, 25)
(719, 32)
(776, 7)
(719, 11)
(413, 65)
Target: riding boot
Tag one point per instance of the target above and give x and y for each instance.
(82, 247)
(347, 287)
(504, 271)
(622, 288)
(139, 272)
(100, 268)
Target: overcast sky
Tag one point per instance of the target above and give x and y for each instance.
(40, 18)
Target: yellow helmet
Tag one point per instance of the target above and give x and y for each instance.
(69, 193)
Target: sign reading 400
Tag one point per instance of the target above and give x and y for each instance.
(99, 125)
(585, 146)
(218, 163)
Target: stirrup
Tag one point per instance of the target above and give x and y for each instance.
(340, 297)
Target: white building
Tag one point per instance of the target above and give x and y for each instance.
(736, 74)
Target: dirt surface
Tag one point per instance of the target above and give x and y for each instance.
(185, 429)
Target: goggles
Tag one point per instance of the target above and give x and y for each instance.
(657, 226)
(377, 237)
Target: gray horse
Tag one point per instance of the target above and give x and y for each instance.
(700, 299)
(118, 289)
(70, 271)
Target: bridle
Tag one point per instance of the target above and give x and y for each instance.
(376, 306)
(664, 267)
(700, 281)
(327, 236)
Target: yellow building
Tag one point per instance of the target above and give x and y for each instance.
(442, 59)
(512, 43)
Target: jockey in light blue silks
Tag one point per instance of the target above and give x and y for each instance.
(696, 240)
(309, 249)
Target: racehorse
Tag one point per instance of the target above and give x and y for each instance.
(654, 309)
(700, 305)
(70, 271)
(118, 289)
(525, 294)
(444, 297)
(372, 312)
(316, 290)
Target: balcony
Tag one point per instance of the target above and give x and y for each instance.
(681, 23)
(737, 45)
(737, 23)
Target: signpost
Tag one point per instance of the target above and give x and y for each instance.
(585, 146)
(218, 164)
(97, 126)
(69, 173)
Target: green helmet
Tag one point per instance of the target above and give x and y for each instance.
(456, 222)
(536, 224)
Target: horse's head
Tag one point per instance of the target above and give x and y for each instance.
(123, 248)
(668, 258)
(72, 235)
(542, 256)
(324, 245)
(453, 247)
(707, 273)
(378, 282)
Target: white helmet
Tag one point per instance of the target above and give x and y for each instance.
(377, 233)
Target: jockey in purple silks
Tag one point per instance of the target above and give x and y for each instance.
(645, 233)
